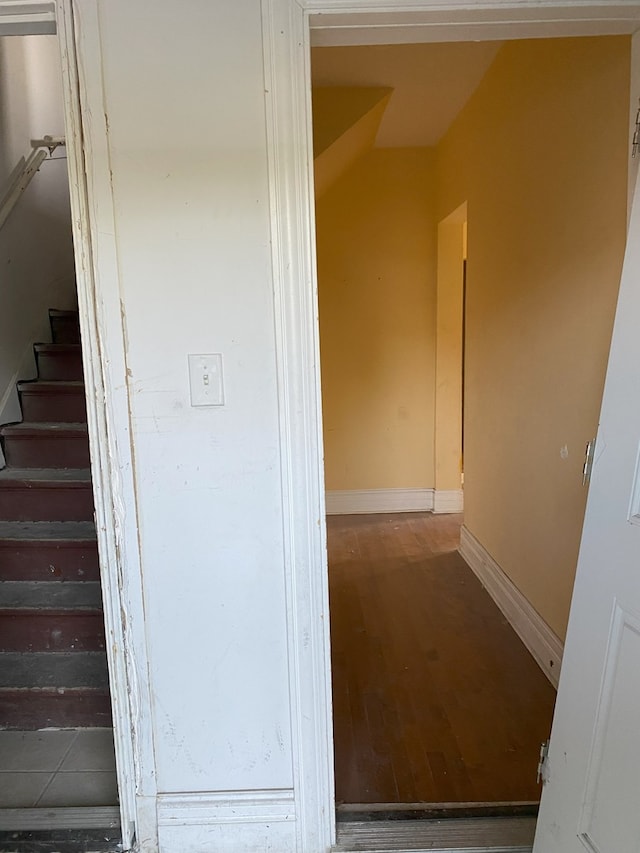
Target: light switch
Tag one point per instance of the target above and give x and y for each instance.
(205, 380)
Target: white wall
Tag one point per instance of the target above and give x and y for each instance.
(188, 163)
(36, 256)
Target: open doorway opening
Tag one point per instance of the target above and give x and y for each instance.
(57, 765)
(534, 368)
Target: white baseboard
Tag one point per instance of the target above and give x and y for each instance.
(361, 501)
(226, 807)
(534, 632)
(448, 501)
(232, 821)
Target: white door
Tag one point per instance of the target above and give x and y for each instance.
(591, 799)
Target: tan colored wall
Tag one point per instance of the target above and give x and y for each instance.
(376, 241)
(539, 153)
(449, 344)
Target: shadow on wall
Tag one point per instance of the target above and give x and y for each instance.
(36, 248)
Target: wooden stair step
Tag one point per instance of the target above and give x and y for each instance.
(48, 551)
(53, 669)
(46, 494)
(59, 361)
(53, 401)
(41, 689)
(65, 326)
(46, 445)
(70, 595)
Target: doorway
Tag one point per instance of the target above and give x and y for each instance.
(338, 270)
(56, 743)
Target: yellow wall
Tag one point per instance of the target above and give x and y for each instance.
(449, 346)
(539, 153)
(376, 240)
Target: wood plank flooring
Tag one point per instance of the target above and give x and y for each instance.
(436, 699)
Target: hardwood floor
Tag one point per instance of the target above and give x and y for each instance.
(435, 697)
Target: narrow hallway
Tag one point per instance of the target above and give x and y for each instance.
(436, 699)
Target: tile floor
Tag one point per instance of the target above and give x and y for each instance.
(57, 768)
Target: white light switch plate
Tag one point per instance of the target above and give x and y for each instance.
(205, 380)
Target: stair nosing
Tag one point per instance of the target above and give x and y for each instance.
(51, 689)
(41, 610)
(55, 427)
(64, 312)
(49, 597)
(46, 477)
(47, 531)
(43, 346)
(41, 386)
(80, 668)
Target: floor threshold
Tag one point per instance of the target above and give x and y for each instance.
(464, 835)
(87, 817)
(62, 841)
(433, 811)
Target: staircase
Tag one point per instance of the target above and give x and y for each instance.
(53, 670)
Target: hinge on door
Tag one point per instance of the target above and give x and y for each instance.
(636, 134)
(588, 462)
(543, 775)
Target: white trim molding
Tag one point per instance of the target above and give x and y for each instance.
(534, 632)
(228, 820)
(108, 412)
(363, 501)
(287, 83)
(263, 806)
(354, 22)
(288, 26)
(448, 500)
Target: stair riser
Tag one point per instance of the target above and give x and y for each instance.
(62, 407)
(65, 330)
(29, 710)
(45, 561)
(48, 451)
(65, 367)
(38, 631)
(39, 503)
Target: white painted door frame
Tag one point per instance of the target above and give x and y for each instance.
(289, 27)
(76, 24)
(108, 416)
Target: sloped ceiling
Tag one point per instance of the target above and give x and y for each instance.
(345, 125)
(431, 83)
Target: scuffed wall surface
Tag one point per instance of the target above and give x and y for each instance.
(187, 154)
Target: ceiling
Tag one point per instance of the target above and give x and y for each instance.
(431, 83)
